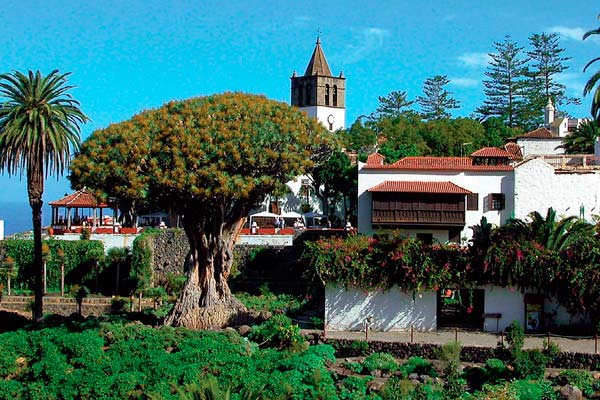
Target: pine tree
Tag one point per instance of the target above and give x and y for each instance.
(436, 100)
(393, 105)
(547, 61)
(505, 88)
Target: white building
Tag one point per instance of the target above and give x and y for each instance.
(435, 198)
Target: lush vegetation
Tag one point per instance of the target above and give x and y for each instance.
(112, 360)
(78, 258)
(116, 359)
(557, 258)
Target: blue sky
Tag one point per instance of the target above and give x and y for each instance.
(127, 56)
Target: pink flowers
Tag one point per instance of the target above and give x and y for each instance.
(519, 255)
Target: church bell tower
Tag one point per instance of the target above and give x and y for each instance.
(320, 94)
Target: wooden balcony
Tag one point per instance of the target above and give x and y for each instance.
(418, 217)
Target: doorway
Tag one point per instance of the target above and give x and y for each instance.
(460, 308)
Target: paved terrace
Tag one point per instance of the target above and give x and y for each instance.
(585, 344)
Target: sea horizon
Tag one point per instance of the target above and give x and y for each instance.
(17, 216)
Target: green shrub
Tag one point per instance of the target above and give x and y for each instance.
(402, 389)
(419, 366)
(530, 364)
(355, 367)
(280, 333)
(496, 371)
(383, 362)
(449, 354)
(354, 387)
(533, 390)
(515, 337)
(397, 389)
(361, 347)
(497, 392)
(173, 283)
(582, 379)
(267, 301)
(551, 349)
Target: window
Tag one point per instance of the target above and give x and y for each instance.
(300, 90)
(335, 95)
(327, 94)
(473, 202)
(496, 201)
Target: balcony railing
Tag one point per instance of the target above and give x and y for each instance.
(418, 217)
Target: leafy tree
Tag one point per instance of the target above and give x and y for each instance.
(496, 132)
(593, 81)
(436, 100)
(360, 137)
(393, 104)
(583, 139)
(452, 137)
(400, 137)
(548, 61)
(212, 159)
(39, 126)
(334, 181)
(8, 271)
(504, 90)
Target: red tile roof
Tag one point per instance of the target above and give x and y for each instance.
(439, 164)
(514, 149)
(419, 187)
(491, 152)
(79, 199)
(539, 133)
(375, 159)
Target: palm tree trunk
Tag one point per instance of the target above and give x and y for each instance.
(8, 284)
(35, 188)
(45, 278)
(36, 209)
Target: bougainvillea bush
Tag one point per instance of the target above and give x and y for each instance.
(570, 273)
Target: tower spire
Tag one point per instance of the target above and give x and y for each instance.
(318, 63)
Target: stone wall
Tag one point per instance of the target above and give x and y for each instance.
(403, 350)
(169, 250)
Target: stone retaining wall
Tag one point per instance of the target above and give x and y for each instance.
(344, 348)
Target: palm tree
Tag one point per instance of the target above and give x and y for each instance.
(39, 126)
(589, 86)
(551, 233)
(583, 139)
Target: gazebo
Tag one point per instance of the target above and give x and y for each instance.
(79, 209)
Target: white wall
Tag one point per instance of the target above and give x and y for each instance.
(560, 315)
(321, 113)
(506, 301)
(536, 146)
(392, 310)
(108, 240)
(265, 240)
(483, 182)
(538, 187)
